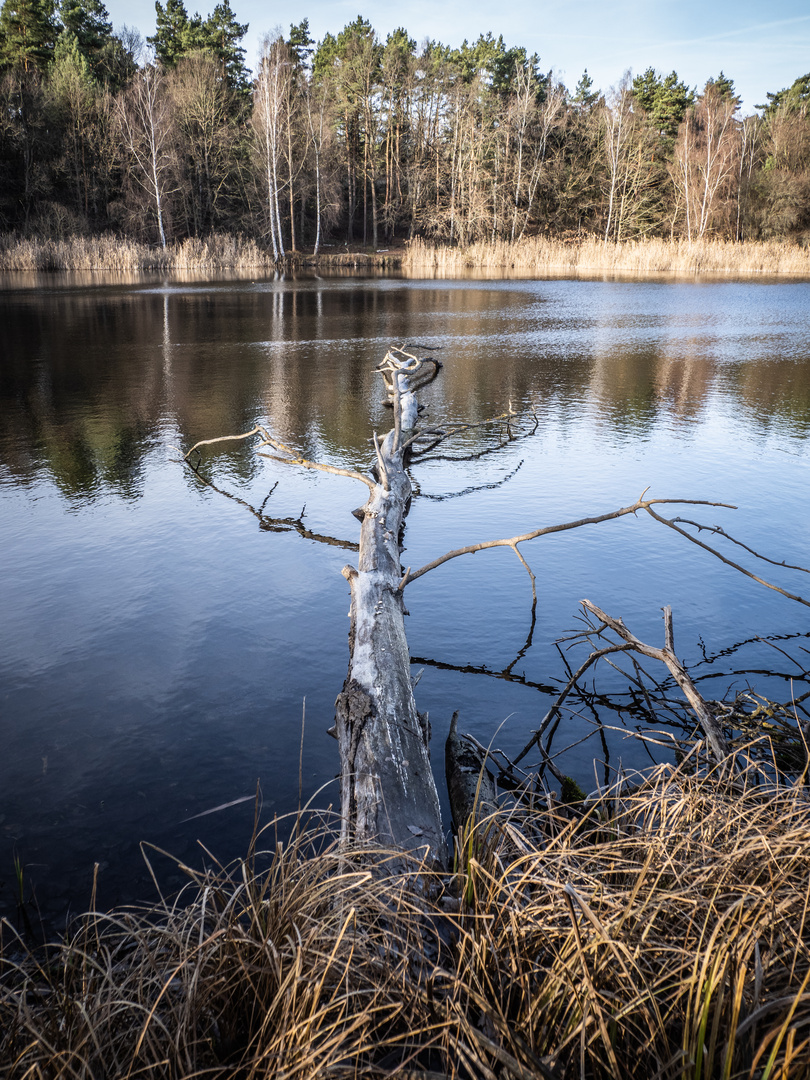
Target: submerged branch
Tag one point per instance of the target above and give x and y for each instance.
(271, 524)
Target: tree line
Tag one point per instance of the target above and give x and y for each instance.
(358, 141)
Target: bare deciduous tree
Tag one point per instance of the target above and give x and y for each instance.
(146, 119)
(270, 120)
(706, 159)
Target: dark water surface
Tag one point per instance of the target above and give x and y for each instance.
(157, 642)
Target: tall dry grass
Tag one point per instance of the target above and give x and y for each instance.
(220, 252)
(533, 256)
(658, 934)
(118, 253)
(537, 255)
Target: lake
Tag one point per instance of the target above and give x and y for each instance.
(166, 650)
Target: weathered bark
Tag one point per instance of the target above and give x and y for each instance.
(388, 793)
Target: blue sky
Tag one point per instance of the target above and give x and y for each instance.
(761, 48)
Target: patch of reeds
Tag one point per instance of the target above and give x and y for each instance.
(500, 258)
(589, 255)
(662, 933)
(118, 253)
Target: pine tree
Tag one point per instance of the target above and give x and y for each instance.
(171, 32)
(220, 36)
(300, 42)
(89, 22)
(27, 34)
(584, 98)
(724, 88)
(795, 97)
(664, 100)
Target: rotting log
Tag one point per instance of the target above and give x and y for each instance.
(388, 792)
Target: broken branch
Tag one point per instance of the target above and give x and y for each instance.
(711, 728)
(706, 547)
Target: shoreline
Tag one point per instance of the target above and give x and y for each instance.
(536, 256)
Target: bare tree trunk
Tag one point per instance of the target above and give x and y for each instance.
(388, 793)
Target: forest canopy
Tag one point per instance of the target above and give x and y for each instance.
(358, 141)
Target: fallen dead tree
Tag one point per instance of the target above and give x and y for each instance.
(388, 792)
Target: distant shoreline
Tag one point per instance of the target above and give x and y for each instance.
(535, 255)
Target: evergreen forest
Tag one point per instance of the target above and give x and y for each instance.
(355, 141)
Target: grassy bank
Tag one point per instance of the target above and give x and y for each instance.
(591, 255)
(534, 256)
(660, 934)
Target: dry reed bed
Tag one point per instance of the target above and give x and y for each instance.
(525, 257)
(660, 935)
(117, 253)
(592, 255)
(121, 255)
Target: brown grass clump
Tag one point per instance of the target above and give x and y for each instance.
(589, 255)
(659, 934)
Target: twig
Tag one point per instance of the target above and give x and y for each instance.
(694, 540)
(258, 430)
(722, 532)
(530, 572)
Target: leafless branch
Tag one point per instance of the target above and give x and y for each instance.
(513, 541)
(440, 435)
(726, 536)
(706, 547)
(679, 673)
(258, 430)
(320, 467)
(293, 458)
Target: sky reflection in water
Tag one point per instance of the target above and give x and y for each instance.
(157, 643)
